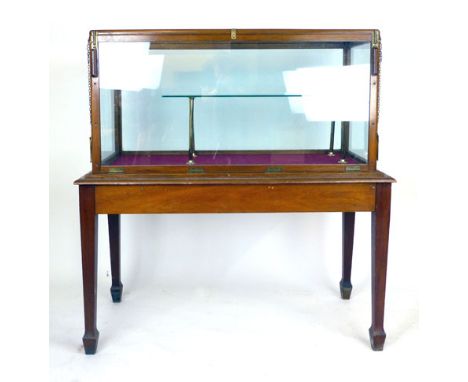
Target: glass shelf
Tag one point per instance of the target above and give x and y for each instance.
(227, 95)
(191, 97)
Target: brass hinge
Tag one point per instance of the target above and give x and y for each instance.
(375, 39)
(353, 168)
(233, 34)
(272, 170)
(116, 170)
(196, 170)
(93, 55)
(93, 40)
(375, 53)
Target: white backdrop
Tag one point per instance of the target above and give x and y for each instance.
(229, 297)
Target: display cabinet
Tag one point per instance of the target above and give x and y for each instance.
(192, 101)
(234, 121)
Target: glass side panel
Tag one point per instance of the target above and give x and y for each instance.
(108, 149)
(303, 105)
(359, 128)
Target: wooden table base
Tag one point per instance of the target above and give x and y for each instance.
(126, 195)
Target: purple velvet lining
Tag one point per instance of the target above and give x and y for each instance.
(150, 160)
(228, 159)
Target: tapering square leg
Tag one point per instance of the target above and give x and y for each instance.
(380, 233)
(114, 241)
(89, 238)
(347, 254)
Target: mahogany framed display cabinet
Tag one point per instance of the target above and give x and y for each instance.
(220, 121)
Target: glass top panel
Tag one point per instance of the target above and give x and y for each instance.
(277, 106)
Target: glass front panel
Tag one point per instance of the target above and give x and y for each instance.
(303, 104)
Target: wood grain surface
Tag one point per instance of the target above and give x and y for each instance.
(234, 198)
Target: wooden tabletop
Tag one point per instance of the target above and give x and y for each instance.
(234, 178)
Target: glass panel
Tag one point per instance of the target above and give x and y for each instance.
(301, 105)
(107, 124)
(359, 127)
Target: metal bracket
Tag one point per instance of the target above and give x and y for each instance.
(376, 39)
(272, 170)
(116, 170)
(233, 34)
(196, 170)
(191, 152)
(94, 56)
(375, 61)
(375, 52)
(353, 168)
(93, 40)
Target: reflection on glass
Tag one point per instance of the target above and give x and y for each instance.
(233, 106)
(108, 148)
